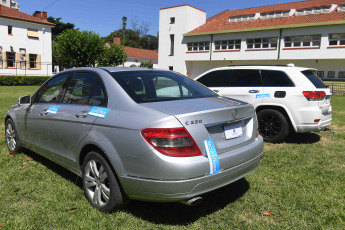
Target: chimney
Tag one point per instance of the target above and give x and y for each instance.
(44, 16)
(117, 40)
(38, 14)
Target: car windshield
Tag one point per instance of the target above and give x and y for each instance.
(317, 82)
(154, 86)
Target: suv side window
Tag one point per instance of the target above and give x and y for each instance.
(317, 82)
(274, 78)
(51, 91)
(217, 78)
(245, 78)
(84, 89)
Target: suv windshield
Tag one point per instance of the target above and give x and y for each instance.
(317, 82)
(153, 86)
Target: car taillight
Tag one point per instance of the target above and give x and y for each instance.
(314, 95)
(174, 142)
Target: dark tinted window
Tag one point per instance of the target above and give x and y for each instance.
(84, 89)
(152, 86)
(245, 78)
(217, 78)
(52, 91)
(314, 79)
(274, 78)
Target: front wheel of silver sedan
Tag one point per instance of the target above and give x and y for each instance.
(100, 185)
(12, 140)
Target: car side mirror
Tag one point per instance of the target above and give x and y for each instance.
(24, 100)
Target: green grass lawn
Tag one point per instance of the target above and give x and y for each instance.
(301, 181)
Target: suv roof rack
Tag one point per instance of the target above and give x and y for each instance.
(263, 65)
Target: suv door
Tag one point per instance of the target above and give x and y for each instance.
(215, 80)
(37, 117)
(244, 85)
(84, 91)
(276, 85)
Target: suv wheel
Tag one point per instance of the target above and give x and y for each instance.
(100, 185)
(273, 126)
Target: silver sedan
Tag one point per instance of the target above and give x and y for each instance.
(134, 133)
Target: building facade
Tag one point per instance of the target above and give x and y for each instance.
(307, 33)
(25, 43)
(10, 3)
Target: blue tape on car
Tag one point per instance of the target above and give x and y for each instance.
(53, 109)
(259, 96)
(98, 111)
(212, 156)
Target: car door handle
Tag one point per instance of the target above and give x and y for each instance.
(216, 90)
(82, 114)
(254, 91)
(44, 112)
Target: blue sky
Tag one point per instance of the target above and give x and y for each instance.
(105, 16)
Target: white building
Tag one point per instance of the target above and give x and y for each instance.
(25, 43)
(10, 3)
(307, 33)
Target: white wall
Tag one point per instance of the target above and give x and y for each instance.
(19, 39)
(187, 18)
(137, 61)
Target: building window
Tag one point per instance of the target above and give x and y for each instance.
(303, 41)
(9, 29)
(172, 38)
(172, 20)
(4, 1)
(242, 18)
(32, 33)
(278, 14)
(316, 10)
(262, 43)
(198, 46)
(228, 45)
(171, 68)
(337, 39)
(11, 59)
(33, 61)
(341, 8)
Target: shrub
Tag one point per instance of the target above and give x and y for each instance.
(22, 80)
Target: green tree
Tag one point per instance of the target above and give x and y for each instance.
(59, 26)
(147, 64)
(73, 48)
(112, 55)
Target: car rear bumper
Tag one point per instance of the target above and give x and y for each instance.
(308, 123)
(178, 190)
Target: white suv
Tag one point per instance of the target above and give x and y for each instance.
(286, 98)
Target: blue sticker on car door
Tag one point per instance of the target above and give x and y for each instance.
(53, 109)
(212, 156)
(98, 111)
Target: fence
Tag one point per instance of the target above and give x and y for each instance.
(24, 68)
(338, 88)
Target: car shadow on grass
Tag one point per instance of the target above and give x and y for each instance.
(181, 214)
(163, 213)
(303, 138)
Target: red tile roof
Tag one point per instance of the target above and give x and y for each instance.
(220, 22)
(141, 53)
(6, 12)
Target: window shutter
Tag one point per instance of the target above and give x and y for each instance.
(4, 60)
(32, 33)
(17, 64)
(38, 61)
(27, 61)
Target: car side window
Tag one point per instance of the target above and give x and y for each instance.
(84, 89)
(245, 78)
(167, 87)
(274, 78)
(51, 91)
(218, 78)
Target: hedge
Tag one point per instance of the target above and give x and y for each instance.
(22, 80)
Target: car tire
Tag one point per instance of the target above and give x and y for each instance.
(273, 125)
(100, 185)
(12, 140)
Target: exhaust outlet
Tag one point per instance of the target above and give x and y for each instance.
(192, 201)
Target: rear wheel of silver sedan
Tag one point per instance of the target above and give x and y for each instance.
(100, 185)
(12, 140)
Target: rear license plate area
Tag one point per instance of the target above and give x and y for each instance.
(233, 130)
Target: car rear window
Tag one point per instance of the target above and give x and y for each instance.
(317, 82)
(153, 86)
